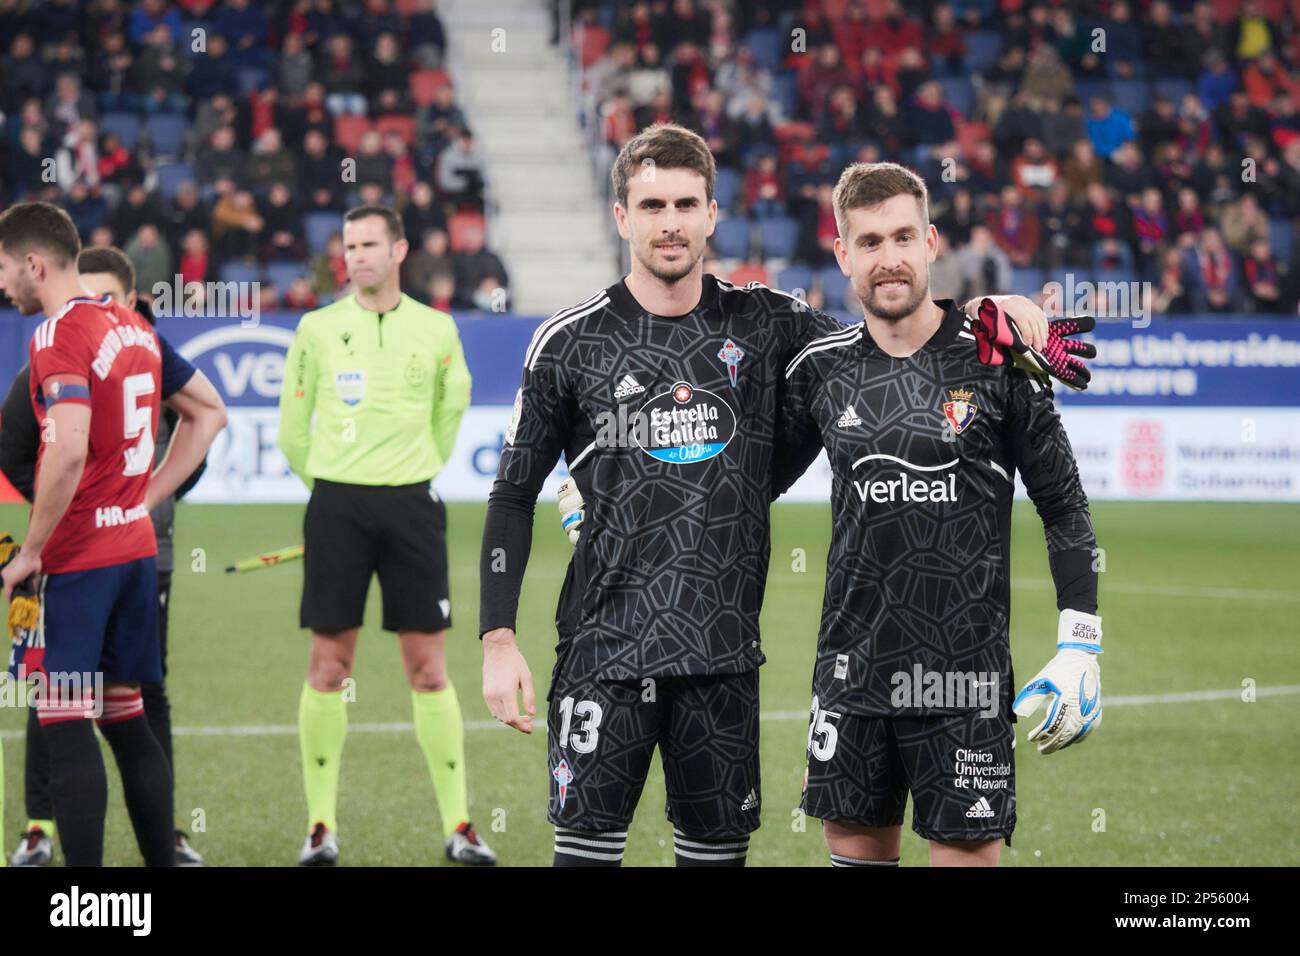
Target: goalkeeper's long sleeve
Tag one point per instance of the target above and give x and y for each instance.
(507, 540)
(1041, 450)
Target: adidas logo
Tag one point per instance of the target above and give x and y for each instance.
(849, 418)
(751, 801)
(628, 387)
(981, 810)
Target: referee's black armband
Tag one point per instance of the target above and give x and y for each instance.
(507, 540)
(1075, 577)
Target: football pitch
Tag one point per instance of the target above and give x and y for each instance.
(1200, 604)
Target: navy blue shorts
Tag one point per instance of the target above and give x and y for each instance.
(101, 621)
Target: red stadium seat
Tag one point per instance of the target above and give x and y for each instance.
(395, 123)
(750, 272)
(591, 42)
(348, 131)
(971, 133)
(425, 85)
(459, 224)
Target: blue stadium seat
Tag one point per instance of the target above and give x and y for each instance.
(125, 125)
(1026, 282)
(1132, 96)
(983, 47)
(959, 94)
(778, 236)
(282, 274)
(252, 78)
(1085, 90)
(731, 238)
(785, 90)
(726, 188)
(795, 277)
(834, 284)
(766, 45)
(166, 133)
(170, 177)
(1173, 88)
(244, 272)
(318, 227)
(1282, 234)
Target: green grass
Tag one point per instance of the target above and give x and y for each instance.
(1194, 597)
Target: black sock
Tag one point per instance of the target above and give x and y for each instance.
(147, 786)
(36, 771)
(710, 851)
(79, 787)
(589, 847)
(158, 711)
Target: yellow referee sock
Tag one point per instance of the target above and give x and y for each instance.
(441, 733)
(322, 728)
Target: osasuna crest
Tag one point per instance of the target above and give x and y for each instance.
(959, 412)
(563, 776)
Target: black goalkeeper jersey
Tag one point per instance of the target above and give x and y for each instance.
(923, 451)
(667, 425)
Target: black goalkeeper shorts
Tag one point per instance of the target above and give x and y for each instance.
(602, 736)
(960, 770)
(353, 531)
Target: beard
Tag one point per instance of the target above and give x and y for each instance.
(917, 293)
(23, 295)
(671, 274)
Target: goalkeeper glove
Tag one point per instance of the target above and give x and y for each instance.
(24, 605)
(1070, 684)
(572, 509)
(1062, 356)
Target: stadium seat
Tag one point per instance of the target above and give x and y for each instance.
(726, 188)
(319, 226)
(793, 278)
(170, 177)
(591, 43)
(1086, 90)
(785, 91)
(348, 130)
(731, 238)
(1132, 96)
(748, 272)
(834, 286)
(166, 134)
(777, 237)
(126, 126)
(243, 272)
(252, 78)
(282, 274)
(766, 45)
(959, 94)
(983, 47)
(425, 85)
(458, 227)
(1027, 282)
(1173, 88)
(402, 125)
(1282, 236)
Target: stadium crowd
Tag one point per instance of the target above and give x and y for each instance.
(222, 141)
(1110, 141)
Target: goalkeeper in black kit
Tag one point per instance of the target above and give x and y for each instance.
(661, 393)
(912, 683)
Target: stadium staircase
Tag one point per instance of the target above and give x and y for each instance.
(545, 217)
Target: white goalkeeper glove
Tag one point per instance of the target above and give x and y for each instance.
(572, 509)
(1070, 684)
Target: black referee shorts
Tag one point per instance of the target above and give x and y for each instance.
(352, 531)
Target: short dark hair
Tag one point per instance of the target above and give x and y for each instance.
(391, 219)
(666, 146)
(108, 259)
(41, 225)
(865, 185)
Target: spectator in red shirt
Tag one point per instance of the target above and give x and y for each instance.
(1015, 228)
(764, 198)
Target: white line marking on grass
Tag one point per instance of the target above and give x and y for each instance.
(1121, 587)
(288, 730)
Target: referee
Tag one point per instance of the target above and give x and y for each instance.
(387, 384)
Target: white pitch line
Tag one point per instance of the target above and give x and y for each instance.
(289, 730)
(1122, 587)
